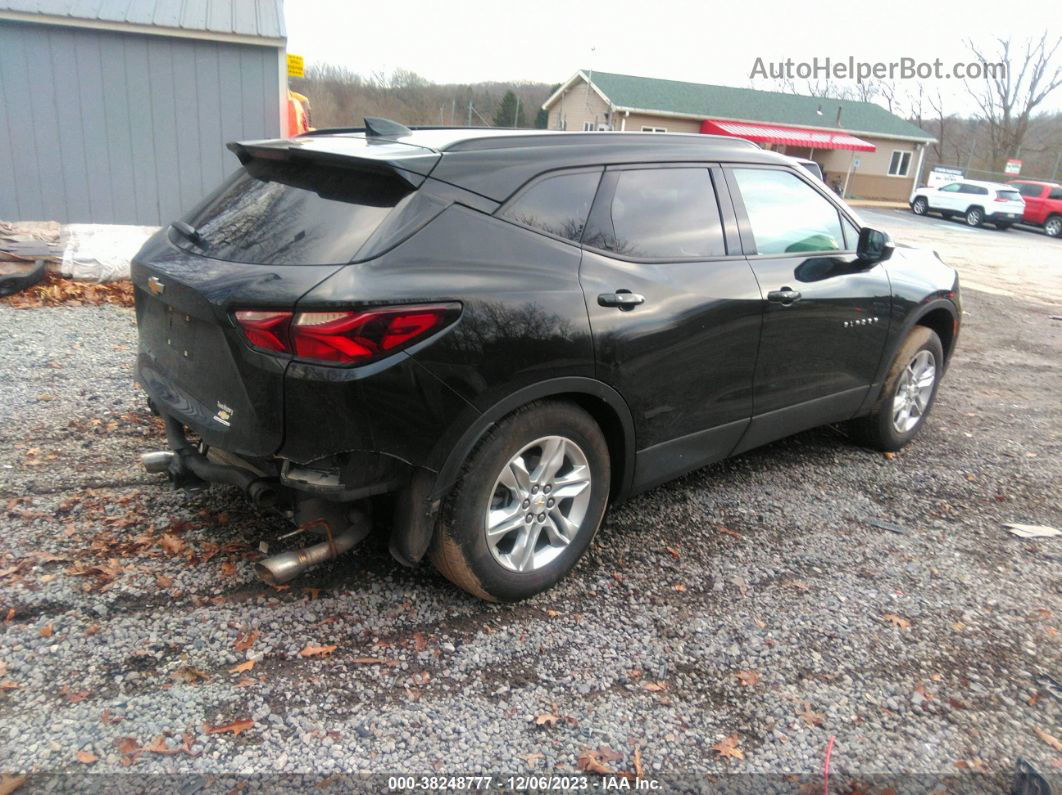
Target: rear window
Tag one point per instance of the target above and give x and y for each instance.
(280, 213)
(1008, 195)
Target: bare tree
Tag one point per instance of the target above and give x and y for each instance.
(1007, 99)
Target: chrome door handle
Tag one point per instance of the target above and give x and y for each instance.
(785, 296)
(621, 299)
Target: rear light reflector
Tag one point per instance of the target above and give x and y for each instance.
(344, 337)
(265, 329)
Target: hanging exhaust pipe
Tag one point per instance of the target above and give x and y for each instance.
(158, 461)
(289, 565)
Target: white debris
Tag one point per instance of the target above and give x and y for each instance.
(1033, 530)
(101, 252)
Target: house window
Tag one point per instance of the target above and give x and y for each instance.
(654, 129)
(900, 164)
(589, 126)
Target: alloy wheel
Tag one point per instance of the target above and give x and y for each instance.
(974, 217)
(913, 392)
(1053, 227)
(538, 504)
(919, 207)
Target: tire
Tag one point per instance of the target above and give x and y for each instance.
(882, 428)
(1002, 227)
(507, 568)
(1053, 226)
(920, 206)
(975, 216)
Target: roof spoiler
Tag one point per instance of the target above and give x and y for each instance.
(409, 164)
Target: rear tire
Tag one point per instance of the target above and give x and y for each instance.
(975, 216)
(908, 394)
(1053, 226)
(483, 541)
(920, 206)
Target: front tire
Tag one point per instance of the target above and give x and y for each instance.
(526, 505)
(908, 394)
(975, 216)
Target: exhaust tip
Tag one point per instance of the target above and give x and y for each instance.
(158, 461)
(265, 574)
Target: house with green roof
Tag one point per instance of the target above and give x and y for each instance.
(860, 145)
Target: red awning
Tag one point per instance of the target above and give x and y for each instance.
(788, 136)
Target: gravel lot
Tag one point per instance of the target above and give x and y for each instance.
(925, 650)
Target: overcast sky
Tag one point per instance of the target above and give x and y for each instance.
(706, 42)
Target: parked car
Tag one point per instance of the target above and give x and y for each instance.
(812, 167)
(507, 331)
(1043, 204)
(975, 201)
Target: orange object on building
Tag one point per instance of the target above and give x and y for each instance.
(298, 113)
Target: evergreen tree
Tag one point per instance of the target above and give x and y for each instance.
(510, 113)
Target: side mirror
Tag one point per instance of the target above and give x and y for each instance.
(874, 245)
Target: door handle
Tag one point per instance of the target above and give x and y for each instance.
(622, 299)
(785, 296)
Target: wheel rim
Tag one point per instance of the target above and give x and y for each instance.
(1054, 227)
(973, 218)
(914, 391)
(920, 207)
(538, 504)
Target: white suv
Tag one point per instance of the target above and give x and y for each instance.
(976, 201)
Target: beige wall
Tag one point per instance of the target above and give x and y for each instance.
(576, 107)
(635, 121)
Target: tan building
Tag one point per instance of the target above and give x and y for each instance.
(873, 152)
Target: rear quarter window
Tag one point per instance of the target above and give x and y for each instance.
(279, 213)
(556, 205)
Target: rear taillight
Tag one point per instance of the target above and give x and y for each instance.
(344, 337)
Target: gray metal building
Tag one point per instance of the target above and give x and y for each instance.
(118, 111)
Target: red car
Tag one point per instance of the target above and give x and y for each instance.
(1043, 204)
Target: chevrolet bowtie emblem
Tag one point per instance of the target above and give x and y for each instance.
(155, 285)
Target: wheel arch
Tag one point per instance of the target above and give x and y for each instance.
(419, 502)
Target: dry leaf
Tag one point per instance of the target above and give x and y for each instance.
(420, 643)
(810, 717)
(245, 682)
(242, 667)
(898, 621)
(639, 771)
(47, 632)
(373, 661)
(748, 678)
(728, 531)
(322, 651)
(9, 784)
(86, 757)
(532, 759)
(190, 675)
(171, 544)
(160, 746)
(673, 552)
(228, 569)
(1047, 738)
(127, 745)
(679, 587)
(728, 748)
(889, 455)
(591, 761)
(547, 719)
(230, 728)
(108, 719)
(552, 613)
(654, 687)
(162, 581)
(245, 640)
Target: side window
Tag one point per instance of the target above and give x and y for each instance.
(951, 187)
(661, 213)
(1056, 193)
(787, 215)
(557, 205)
(851, 234)
(1032, 191)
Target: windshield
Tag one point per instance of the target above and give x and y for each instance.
(283, 213)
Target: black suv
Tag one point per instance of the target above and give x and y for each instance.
(506, 331)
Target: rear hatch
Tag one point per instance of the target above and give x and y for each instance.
(291, 217)
(1009, 203)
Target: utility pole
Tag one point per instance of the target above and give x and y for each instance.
(516, 115)
(469, 124)
(453, 111)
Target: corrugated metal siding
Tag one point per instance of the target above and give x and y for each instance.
(262, 18)
(109, 127)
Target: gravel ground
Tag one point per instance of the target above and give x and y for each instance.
(751, 600)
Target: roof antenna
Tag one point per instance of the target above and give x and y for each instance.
(375, 127)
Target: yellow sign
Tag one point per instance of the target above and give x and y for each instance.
(295, 66)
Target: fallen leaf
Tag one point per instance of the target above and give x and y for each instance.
(324, 651)
(171, 544)
(552, 613)
(228, 569)
(108, 719)
(230, 728)
(532, 759)
(591, 761)
(654, 687)
(245, 640)
(245, 682)
(1047, 738)
(639, 771)
(673, 552)
(86, 757)
(898, 621)
(748, 678)
(162, 581)
(160, 746)
(10, 615)
(547, 719)
(7, 684)
(373, 661)
(889, 455)
(728, 748)
(810, 717)
(92, 630)
(242, 667)
(47, 632)
(190, 675)
(127, 745)
(679, 587)
(9, 784)
(728, 531)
